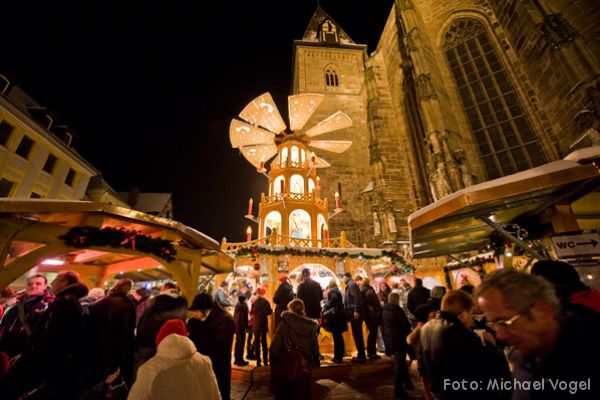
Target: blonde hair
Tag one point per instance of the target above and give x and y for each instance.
(457, 301)
(332, 283)
(297, 307)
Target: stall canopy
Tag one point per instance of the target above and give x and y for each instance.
(54, 235)
(454, 223)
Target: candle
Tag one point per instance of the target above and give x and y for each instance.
(318, 183)
(250, 206)
(249, 234)
(262, 163)
(325, 232)
(313, 157)
(282, 185)
(337, 200)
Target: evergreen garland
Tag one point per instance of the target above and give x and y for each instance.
(85, 236)
(401, 266)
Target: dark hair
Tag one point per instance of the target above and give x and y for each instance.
(241, 298)
(169, 285)
(555, 272)
(202, 301)
(71, 277)
(305, 272)
(422, 312)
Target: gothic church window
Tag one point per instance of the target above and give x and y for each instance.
(502, 130)
(331, 77)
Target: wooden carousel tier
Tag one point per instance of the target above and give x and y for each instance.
(347, 370)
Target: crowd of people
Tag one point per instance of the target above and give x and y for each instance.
(517, 335)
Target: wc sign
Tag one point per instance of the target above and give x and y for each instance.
(579, 245)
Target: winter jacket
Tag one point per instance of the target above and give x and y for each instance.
(110, 330)
(13, 336)
(371, 305)
(221, 298)
(353, 301)
(177, 371)
(417, 296)
(304, 335)
(213, 337)
(159, 309)
(449, 350)
(311, 293)
(240, 317)
(261, 310)
(395, 328)
(282, 297)
(334, 316)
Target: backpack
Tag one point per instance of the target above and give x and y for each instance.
(291, 368)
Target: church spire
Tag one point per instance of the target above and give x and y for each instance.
(323, 28)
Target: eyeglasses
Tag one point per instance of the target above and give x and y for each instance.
(503, 323)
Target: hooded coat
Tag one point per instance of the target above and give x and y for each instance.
(304, 335)
(177, 371)
(282, 297)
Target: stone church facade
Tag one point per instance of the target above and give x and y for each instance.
(452, 96)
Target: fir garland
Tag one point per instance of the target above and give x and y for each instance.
(85, 236)
(401, 266)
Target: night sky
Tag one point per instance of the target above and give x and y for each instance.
(150, 87)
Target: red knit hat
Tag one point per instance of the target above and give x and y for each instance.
(261, 291)
(283, 278)
(171, 326)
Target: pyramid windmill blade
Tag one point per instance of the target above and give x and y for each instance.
(334, 122)
(262, 111)
(301, 107)
(335, 146)
(321, 163)
(243, 134)
(257, 153)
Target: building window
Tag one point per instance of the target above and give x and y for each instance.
(6, 187)
(71, 177)
(331, 78)
(6, 130)
(329, 32)
(502, 130)
(50, 164)
(35, 195)
(24, 149)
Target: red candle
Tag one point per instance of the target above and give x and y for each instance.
(250, 206)
(282, 185)
(262, 164)
(313, 158)
(337, 200)
(318, 183)
(249, 234)
(325, 232)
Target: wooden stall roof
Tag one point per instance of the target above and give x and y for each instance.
(451, 224)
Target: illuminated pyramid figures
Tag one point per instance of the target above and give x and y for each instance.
(293, 208)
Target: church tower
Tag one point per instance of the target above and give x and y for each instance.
(327, 61)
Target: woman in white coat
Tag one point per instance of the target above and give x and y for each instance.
(177, 371)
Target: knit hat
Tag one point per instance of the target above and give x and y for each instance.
(202, 301)
(171, 326)
(260, 291)
(347, 275)
(283, 278)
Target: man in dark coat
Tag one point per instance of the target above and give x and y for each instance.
(110, 330)
(334, 318)
(355, 311)
(451, 353)
(372, 316)
(211, 329)
(311, 293)
(416, 296)
(240, 317)
(20, 320)
(395, 329)
(53, 356)
(261, 309)
(282, 297)
(169, 304)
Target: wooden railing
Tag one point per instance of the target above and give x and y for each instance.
(295, 197)
(276, 239)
